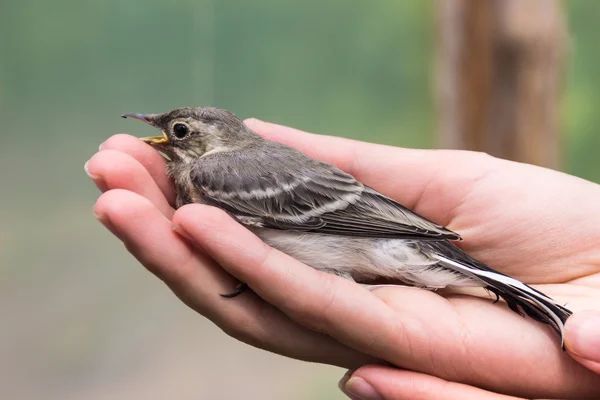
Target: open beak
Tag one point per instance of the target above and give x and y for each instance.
(149, 119)
(156, 139)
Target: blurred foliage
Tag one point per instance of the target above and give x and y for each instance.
(582, 120)
(77, 319)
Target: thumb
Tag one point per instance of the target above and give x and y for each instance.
(582, 338)
(378, 382)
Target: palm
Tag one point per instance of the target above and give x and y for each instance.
(530, 222)
(537, 235)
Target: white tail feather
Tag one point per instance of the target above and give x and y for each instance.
(507, 280)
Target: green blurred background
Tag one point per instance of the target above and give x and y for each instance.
(80, 319)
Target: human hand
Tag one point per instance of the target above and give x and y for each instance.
(328, 319)
(378, 382)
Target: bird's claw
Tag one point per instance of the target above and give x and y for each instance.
(239, 289)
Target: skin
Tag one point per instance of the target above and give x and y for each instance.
(537, 225)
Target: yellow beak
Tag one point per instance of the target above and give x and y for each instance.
(156, 139)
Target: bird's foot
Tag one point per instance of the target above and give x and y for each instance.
(239, 289)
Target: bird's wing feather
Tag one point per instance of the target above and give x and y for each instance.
(377, 215)
(272, 190)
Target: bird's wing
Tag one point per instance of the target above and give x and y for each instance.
(377, 215)
(299, 193)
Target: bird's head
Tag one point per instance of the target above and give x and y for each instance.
(191, 132)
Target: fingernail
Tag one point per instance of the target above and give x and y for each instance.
(104, 220)
(180, 231)
(583, 335)
(87, 171)
(342, 382)
(253, 121)
(100, 217)
(101, 147)
(100, 184)
(360, 389)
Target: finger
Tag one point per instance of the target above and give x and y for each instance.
(275, 276)
(112, 169)
(147, 156)
(377, 382)
(582, 338)
(467, 340)
(198, 280)
(432, 182)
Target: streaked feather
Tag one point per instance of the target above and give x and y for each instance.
(278, 187)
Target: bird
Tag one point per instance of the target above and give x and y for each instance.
(321, 215)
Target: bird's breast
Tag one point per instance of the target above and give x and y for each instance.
(187, 193)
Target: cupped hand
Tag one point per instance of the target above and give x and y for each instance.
(537, 225)
(379, 382)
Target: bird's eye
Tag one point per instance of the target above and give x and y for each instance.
(180, 130)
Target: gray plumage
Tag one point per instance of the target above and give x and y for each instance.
(319, 214)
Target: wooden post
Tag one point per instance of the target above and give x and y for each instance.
(499, 77)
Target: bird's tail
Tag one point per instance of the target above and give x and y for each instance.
(520, 298)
